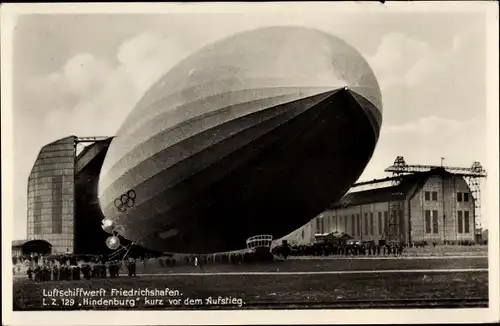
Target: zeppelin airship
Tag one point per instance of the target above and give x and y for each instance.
(254, 134)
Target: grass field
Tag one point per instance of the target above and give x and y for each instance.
(305, 265)
(281, 290)
(447, 250)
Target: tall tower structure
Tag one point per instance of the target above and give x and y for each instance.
(56, 184)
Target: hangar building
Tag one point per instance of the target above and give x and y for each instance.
(63, 212)
(434, 206)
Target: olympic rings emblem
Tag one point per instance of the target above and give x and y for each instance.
(125, 201)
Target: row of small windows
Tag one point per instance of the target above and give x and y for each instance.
(462, 196)
(434, 195)
(260, 243)
(431, 223)
(356, 224)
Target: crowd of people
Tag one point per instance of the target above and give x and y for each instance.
(72, 267)
(234, 258)
(343, 249)
(42, 268)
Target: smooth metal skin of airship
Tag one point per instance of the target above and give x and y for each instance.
(255, 134)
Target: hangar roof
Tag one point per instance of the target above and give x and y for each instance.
(408, 186)
(18, 243)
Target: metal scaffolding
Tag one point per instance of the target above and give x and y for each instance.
(398, 169)
(90, 139)
(471, 175)
(82, 142)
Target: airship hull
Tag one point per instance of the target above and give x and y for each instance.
(264, 165)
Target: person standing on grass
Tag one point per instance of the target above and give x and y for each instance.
(134, 267)
(104, 270)
(37, 273)
(30, 273)
(78, 272)
(116, 268)
(129, 267)
(86, 270)
(113, 271)
(46, 273)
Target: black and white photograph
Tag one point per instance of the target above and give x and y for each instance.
(293, 162)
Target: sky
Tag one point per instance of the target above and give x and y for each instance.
(82, 74)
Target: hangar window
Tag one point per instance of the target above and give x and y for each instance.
(401, 222)
(427, 195)
(366, 224)
(466, 222)
(434, 195)
(379, 222)
(466, 196)
(371, 223)
(345, 223)
(353, 222)
(427, 221)
(358, 224)
(303, 235)
(435, 223)
(460, 222)
(459, 196)
(385, 222)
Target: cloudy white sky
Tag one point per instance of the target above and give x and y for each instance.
(82, 74)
